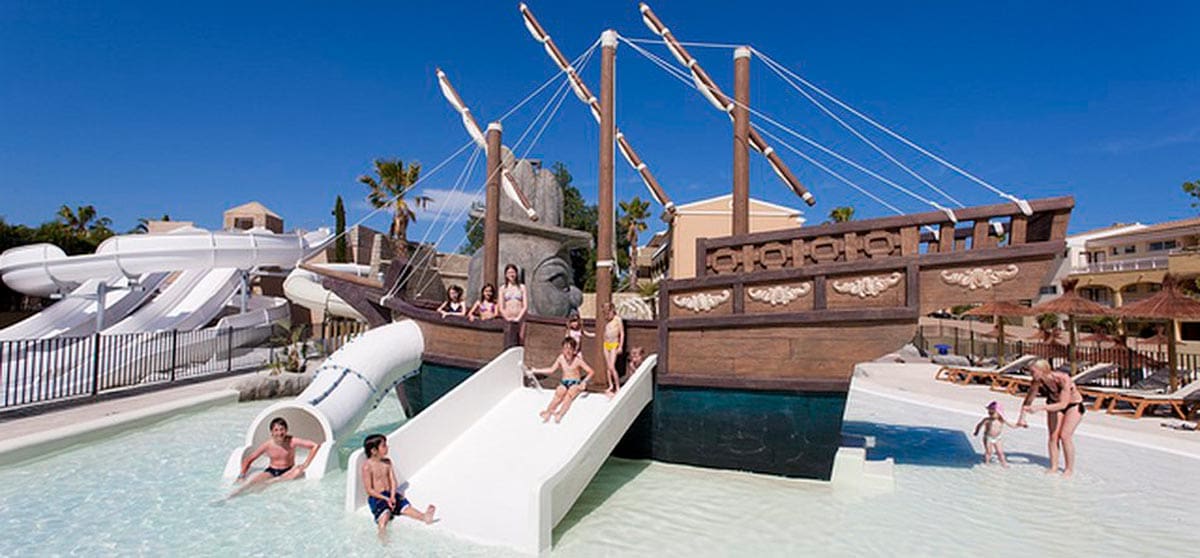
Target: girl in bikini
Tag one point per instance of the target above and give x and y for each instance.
(453, 306)
(485, 308)
(1064, 411)
(515, 299)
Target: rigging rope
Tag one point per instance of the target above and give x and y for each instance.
(1024, 205)
(771, 65)
(682, 76)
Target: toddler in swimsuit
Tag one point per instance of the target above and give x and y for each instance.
(993, 429)
(575, 376)
(575, 329)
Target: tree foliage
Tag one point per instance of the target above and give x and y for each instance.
(1193, 189)
(631, 223)
(390, 188)
(841, 214)
(341, 252)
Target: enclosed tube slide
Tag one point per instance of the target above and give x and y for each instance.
(304, 288)
(498, 474)
(350, 383)
(44, 269)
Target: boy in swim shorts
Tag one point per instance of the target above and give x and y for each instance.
(281, 449)
(573, 380)
(379, 480)
(993, 429)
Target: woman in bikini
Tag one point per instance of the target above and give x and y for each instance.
(1064, 411)
(514, 299)
(485, 308)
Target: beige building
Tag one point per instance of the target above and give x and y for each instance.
(674, 254)
(1117, 269)
(252, 215)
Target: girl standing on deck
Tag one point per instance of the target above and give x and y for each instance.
(1064, 411)
(614, 345)
(575, 329)
(453, 305)
(485, 308)
(514, 299)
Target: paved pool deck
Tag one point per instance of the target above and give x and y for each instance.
(115, 409)
(915, 383)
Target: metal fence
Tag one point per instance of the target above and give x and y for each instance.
(1134, 366)
(41, 371)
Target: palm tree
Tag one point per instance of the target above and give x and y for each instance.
(633, 220)
(143, 225)
(394, 181)
(83, 221)
(841, 214)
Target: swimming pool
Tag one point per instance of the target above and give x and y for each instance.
(151, 492)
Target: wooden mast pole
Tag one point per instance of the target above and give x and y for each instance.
(491, 215)
(741, 141)
(604, 232)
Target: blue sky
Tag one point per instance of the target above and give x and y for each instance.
(145, 108)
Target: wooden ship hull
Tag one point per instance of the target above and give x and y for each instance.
(756, 352)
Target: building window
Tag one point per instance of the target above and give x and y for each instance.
(1131, 249)
(1165, 245)
(1115, 251)
(243, 223)
(1049, 290)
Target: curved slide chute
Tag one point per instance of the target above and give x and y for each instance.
(350, 383)
(43, 269)
(304, 287)
(75, 314)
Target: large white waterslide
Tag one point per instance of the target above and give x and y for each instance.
(75, 315)
(43, 269)
(350, 383)
(497, 473)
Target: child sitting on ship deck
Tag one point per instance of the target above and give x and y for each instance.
(281, 449)
(575, 329)
(573, 379)
(379, 481)
(993, 428)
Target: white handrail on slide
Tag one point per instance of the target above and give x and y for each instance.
(350, 383)
(498, 475)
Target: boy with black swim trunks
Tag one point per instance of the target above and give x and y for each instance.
(573, 380)
(281, 449)
(379, 480)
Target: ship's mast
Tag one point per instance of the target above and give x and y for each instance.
(491, 214)
(604, 233)
(741, 141)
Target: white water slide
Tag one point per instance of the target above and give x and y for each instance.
(43, 269)
(192, 300)
(75, 314)
(351, 382)
(304, 288)
(498, 475)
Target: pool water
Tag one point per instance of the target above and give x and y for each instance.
(157, 491)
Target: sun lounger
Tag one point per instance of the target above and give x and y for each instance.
(1103, 396)
(967, 374)
(1012, 383)
(1182, 401)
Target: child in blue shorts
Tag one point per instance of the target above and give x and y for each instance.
(379, 480)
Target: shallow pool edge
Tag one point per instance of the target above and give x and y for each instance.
(39, 444)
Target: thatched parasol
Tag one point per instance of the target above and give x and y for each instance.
(1169, 304)
(1071, 304)
(998, 310)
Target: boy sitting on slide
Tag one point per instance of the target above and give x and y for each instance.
(573, 379)
(281, 449)
(379, 480)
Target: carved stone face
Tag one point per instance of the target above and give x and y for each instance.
(545, 269)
